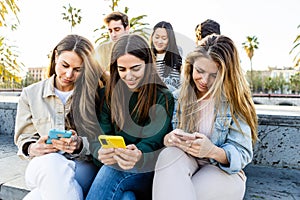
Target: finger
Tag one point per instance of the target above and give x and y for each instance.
(189, 143)
(124, 164)
(109, 161)
(131, 157)
(41, 149)
(42, 139)
(176, 139)
(59, 144)
(73, 132)
(67, 148)
(199, 135)
(172, 140)
(47, 151)
(66, 140)
(130, 146)
(106, 150)
(183, 146)
(104, 153)
(126, 154)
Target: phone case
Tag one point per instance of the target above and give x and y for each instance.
(56, 134)
(112, 141)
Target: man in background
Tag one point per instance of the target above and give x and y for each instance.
(117, 24)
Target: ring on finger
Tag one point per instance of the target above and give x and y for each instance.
(74, 138)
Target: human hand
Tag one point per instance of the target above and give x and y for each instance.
(40, 147)
(179, 138)
(106, 156)
(201, 147)
(127, 158)
(68, 145)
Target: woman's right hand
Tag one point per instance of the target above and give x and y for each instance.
(40, 147)
(178, 138)
(106, 156)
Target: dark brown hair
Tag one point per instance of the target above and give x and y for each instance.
(117, 92)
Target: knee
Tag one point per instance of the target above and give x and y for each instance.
(170, 156)
(52, 163)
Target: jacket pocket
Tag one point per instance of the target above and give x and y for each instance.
(222, 124)
(221, 130)
(42, 125)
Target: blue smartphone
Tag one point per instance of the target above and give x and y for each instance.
(57, 134)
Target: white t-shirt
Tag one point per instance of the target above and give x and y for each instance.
(64, 96)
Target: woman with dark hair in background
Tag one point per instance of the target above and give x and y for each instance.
(168, 58)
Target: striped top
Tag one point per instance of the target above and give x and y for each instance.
(171, 79)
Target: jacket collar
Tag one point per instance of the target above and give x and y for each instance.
(49, 87)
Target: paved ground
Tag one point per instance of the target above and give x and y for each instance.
(263, 182)
(12, 170)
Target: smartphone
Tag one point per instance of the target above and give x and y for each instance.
(57, 134)
(185, 136)
(112, 141)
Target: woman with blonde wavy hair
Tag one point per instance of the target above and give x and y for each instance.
(216, 128)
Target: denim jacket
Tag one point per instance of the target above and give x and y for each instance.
(39, 110)
(237, 146)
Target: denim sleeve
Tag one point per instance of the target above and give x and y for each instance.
(238, 148)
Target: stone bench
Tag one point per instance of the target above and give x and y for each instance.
(273, 174)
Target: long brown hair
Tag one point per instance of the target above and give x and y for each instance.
(117, 92)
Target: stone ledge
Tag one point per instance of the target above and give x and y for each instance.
(272, 183)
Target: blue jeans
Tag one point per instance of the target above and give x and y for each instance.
(114, 184)
(85, 173)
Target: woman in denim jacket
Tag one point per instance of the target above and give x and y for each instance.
(216, 127)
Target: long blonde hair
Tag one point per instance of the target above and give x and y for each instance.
(86, 101)
(230, 86)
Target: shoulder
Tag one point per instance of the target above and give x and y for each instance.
(165, 92)
(37, 86)
(104, 46)
(42, 88)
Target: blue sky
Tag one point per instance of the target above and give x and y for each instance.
(273, 22)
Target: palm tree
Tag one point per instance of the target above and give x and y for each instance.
(295, 48)
(9, 64)
(5, 6)
(136, 25)
(72, 15)
(249, 46)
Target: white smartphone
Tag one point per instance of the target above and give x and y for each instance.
(185, 136)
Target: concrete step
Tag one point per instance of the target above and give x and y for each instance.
(12, 170)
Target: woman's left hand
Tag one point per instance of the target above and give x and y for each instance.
(68, 145)
(201, 147)
(127, 158)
